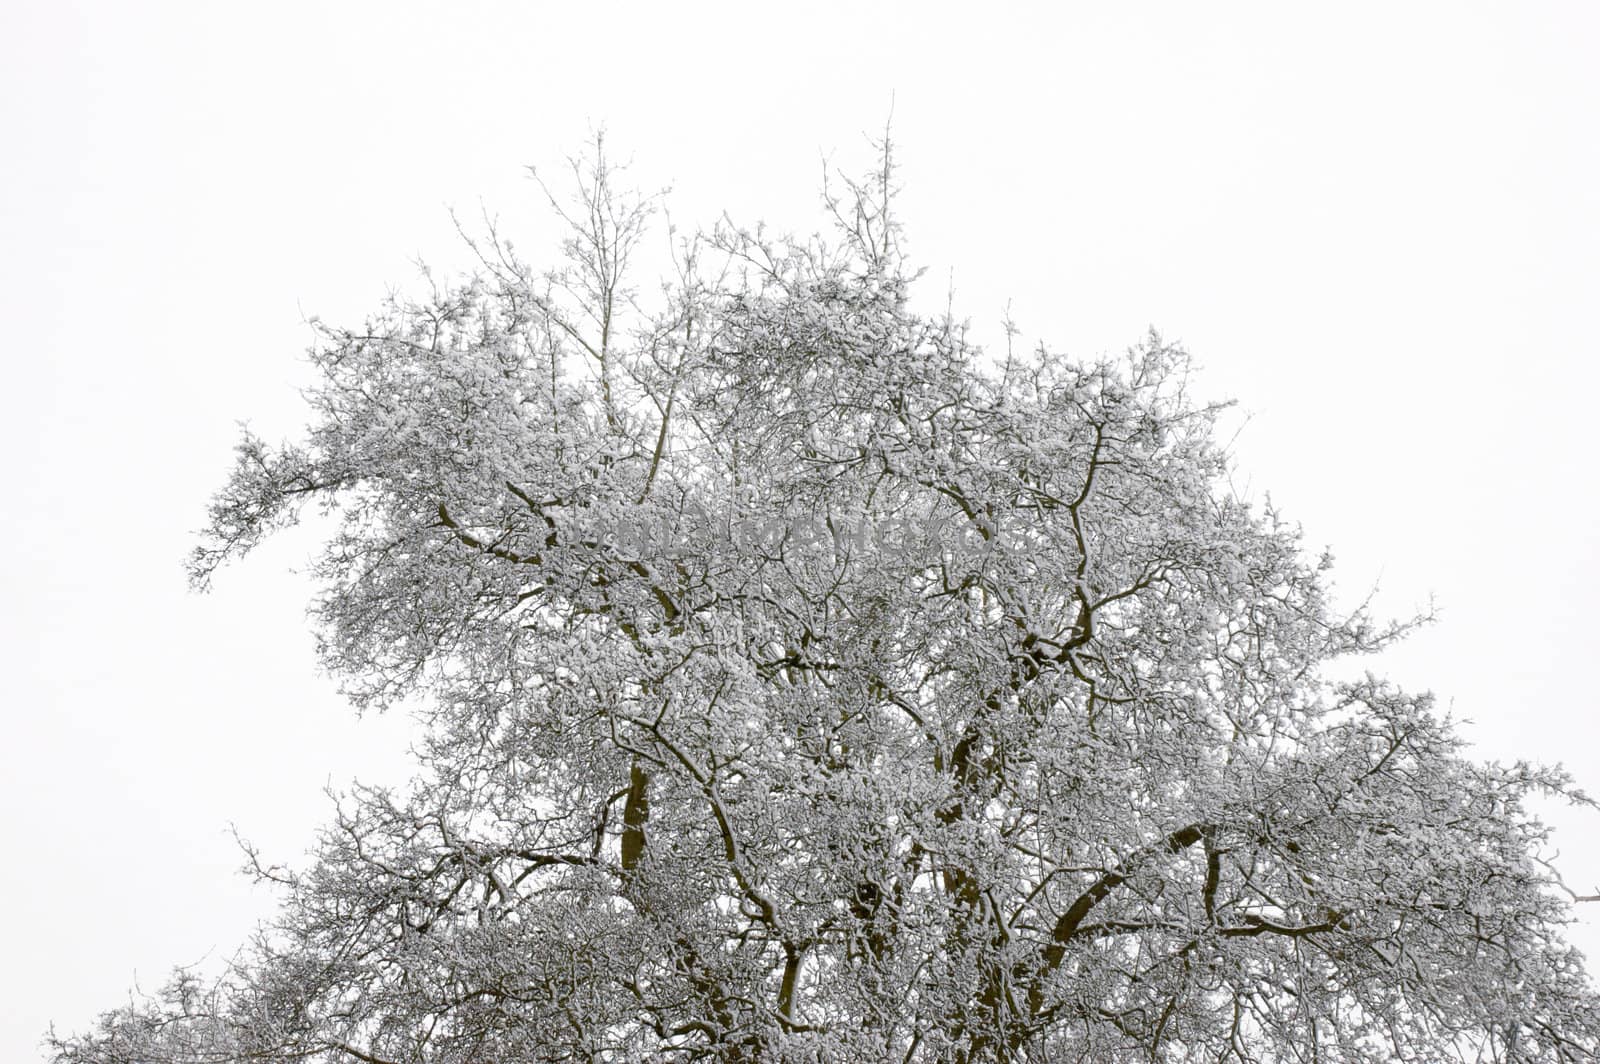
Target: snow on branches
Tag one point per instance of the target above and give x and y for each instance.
(805, 685)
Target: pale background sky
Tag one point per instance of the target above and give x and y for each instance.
(1376, 225)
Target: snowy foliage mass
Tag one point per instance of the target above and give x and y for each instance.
(805, 684)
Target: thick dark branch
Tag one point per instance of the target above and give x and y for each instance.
(479, 545)
(669, 609)
(1208, 892)
(635, 815)
(1256, 925)
(1103, 928)
(1068, 925)
(532, 504)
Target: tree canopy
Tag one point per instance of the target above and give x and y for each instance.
(804, 683)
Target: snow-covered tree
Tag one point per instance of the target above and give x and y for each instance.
(804, 684)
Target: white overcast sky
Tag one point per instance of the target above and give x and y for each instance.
(1376, 225)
